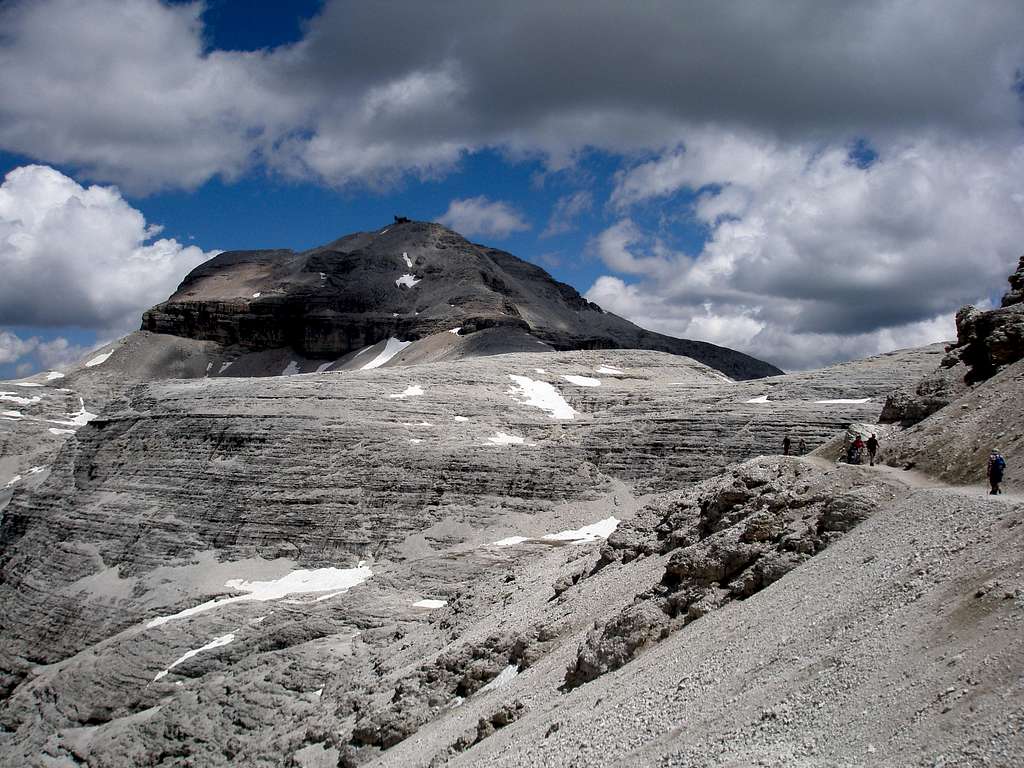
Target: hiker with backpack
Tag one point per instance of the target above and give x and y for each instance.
(996, 467)
(872, 445)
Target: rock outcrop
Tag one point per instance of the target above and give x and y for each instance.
(407, 281)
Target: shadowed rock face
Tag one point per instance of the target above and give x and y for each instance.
(408, 281)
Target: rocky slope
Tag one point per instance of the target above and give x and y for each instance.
(407, 281)
(178, 487)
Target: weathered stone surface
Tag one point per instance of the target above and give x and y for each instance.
(746, 530)
(180, 486)
(1016, 293)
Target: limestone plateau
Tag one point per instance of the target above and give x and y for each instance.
(407, 281)
(314, 528)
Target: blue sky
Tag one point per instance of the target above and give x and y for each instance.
(707, 174)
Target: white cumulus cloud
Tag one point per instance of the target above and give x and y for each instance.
(479, 216)
(812, 258)
(80, 256)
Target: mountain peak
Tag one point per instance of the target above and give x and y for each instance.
(408, 280)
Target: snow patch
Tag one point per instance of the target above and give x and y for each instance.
(334, 580)
(26, 384)
(511, 541)
(539, 370)
(324, 366)
(54, 375)
(602, 529)
(503, 438)
(12, 481)
(506, 676)
(225, 366)
(392, 348)
(11, 397)
(55, 431)
(583, 381)
(36, 470)
(414, 390)
(215, 643)
(455, 331)
(357, 354)
(408, 261)
(407, 280)
(78, 419)
(431, 604)
(415, 440)
(758, 399)
(257, 294)
(99, 359)
(843, 400)
(540, 394)
(12, 414)
(291, 369)
(609, 370)
(462, 418)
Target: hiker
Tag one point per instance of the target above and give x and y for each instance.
(872, 448)
(801, 447)
(786, 443)
(855, 452)
(996, 465)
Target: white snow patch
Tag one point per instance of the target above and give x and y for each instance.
(36, 470)
(431, 604)
(215, 643)
(12, 481)
(78, 419)
(407, 280)
(583, 381)
(324, 366)
(335, 580)
(506, 676)
(54, 375)
(408, 261)
(357, 354)
(291, 369)
(758, 399)
(99, 359)
(225, 366)
(462, 418)
(540, 394)
(609, 370)
(602, 529)
(318, 692)
(455, 331)
(11, 397)
(323, 275)
(55, 431)
(503, 438)
(414, 390)
(12, 414)
(511, 541)
(843, 400)
(257, 294)
(722, 376)
(27, 384)
(384, 231)
(539, 370)
(415, 440)
(392, 348)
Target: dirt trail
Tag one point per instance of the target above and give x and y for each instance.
(919, 480)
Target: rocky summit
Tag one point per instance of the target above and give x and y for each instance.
(471, 548)
(408, 281)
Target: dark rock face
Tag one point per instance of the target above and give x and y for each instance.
(408, 281)
(1016, 293)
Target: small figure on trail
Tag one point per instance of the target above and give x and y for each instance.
(996, 465)
(801, 447)
(855, 452)
(786, 443)
(872, 448)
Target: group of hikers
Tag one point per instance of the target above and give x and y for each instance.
(855, 455)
